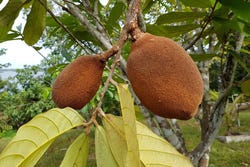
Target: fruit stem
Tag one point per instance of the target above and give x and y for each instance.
(109, 53)
(131, 27)
(132, 19)
(136, 33)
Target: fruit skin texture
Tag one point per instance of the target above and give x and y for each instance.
(77, 84)
(164, 77)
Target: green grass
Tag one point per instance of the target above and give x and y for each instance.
(54, 155)
(232, 154)
(5, 137)
(222, 155)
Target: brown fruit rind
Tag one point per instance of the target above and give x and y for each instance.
(78, 83)
(164, 77)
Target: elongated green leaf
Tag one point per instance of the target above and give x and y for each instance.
(104, 156)
(35, 23)
(8, 15)
(245, 87)
(86, 36)
(129, 120)
(77, 153)
(155, 151)
(116, 139)
(197, 3)
(223, 26)
(202, 57)
(10, 36)
(116, 13)
(170, 31)
(239, 7)
(222, 12)
(147, 4)
(33, 138)
(245, 51)
(114, 128)
(239, 59)
(66, 19)
(174, 17)
(36, 155)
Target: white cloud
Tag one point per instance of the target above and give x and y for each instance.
(104, 2)
(19, 54)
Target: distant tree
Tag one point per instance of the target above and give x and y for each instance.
(2, 52)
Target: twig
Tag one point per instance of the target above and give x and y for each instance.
(218, 109)
(93, 118)
(63, 7)
(61, 24)
(131, 21)
(40, 53)
(106, 84)
(75, 11)
(204, 25)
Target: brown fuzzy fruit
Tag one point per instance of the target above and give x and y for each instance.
(164, 77)
(77, 84)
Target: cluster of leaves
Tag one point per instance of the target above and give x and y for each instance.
(121, 141)
(2, 52)
(26, 95)
(4, 126)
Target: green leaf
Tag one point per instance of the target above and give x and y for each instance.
(68, 20)
(155, 151)
(104, 156)
(36, 21)
(197, 3)
(239, 7)
(222, 12)
(11, 36)
(223, 26)
(77, 153)
(86, 36)
(116, 12)
(33, 138)
(245, 87)
(147, 4)
(214, 95)
(129, 120)
(174, 17)
(115, 134)
(245, 51)
(8, 15)
(239, 59)
(170, 31)
(202, 57)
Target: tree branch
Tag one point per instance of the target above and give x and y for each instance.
(169, 131)
(218, 109)
(61, 25)
(203, 27)
(85, 22)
